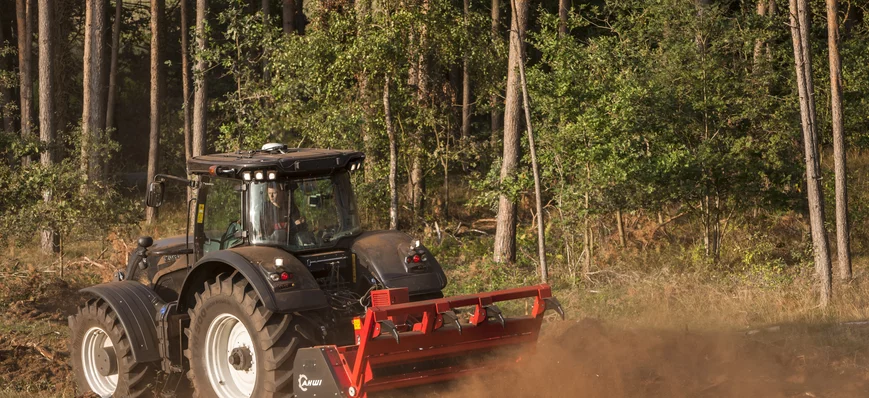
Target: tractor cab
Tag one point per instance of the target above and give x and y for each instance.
(296, 199)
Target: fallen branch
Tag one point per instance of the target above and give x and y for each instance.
(89, 261)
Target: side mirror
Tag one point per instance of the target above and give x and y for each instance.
(315, 200)
(154, 197)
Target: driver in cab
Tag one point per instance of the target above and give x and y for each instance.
(276, 214)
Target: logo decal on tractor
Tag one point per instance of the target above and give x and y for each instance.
(304, 383)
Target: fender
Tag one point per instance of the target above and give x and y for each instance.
(136, 307)
(383, 254)
(254, 263)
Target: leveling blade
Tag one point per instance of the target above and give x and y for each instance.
(393, 352)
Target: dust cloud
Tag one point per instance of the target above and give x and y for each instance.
(590, 359)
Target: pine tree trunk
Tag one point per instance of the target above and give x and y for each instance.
(289, 15)
(466, 84)
(505, 228)
(200, 86)
(843, 230)
(562, 17)
(762, 6)
(393, 157)
(47, 127)
(493, 98)
(5, 91)
(157, 7)
(113, 69)
(93, 109)
(185, 80)
(24, 15)
(620, 225)
(802, 62)
(538, 196)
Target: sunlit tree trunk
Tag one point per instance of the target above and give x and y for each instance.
(47, 127)
(200, 86)
(94, 105)
(799, 22)
(24, 19)
(505, 228)
(843, 241)
(393, 157)
(157, 7)
(563, 8)
(762, 6)
(620, 225)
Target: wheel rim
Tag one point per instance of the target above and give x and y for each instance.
(225, 334)
(96, 340)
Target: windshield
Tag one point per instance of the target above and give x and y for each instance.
(301, 214)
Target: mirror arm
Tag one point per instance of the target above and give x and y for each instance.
(161, 177)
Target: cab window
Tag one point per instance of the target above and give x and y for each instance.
(222, 214)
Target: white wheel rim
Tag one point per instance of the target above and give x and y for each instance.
(226, 333)
(97, 339)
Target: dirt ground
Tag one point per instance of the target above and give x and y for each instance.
(585, 358)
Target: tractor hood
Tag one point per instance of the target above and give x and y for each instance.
(397, 260)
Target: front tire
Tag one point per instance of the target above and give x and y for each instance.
(236, 347)
(102, 360)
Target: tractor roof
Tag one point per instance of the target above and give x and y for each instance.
(277, 158)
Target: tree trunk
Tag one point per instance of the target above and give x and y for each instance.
(562, 17)
(493, 98)
(541, 219)
(289, 15)
(762, 6)
(113, 69)
(47, 125)
(157, 7)
(5, 91)
(620, 225)
(393, 158)
(466, 84)
(185, 81)
(24, 15)
(417, 183)
(505, 229)
(93, 109)
(200, 87)
(843, 241)
(802, 62)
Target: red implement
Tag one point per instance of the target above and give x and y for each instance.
(402, 344)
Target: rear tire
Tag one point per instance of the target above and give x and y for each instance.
(236, 347)
(102, 360)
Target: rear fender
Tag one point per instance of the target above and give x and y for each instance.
(136, 306)
(255, 263)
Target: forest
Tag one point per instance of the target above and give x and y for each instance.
(688, 163)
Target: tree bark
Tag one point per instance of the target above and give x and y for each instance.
(5, 91)
(47, 127)
(157, 7)
(24, 15)
(493, 98)
(620, 225)
(289, 15)
(541, 219)
(466, 83)
(762, 6)
(393, 157)
(562, 17)
(113, 69)
(505, 228)
(843, 230)
(93, 109)
(185, 81)
(803, 65)
(200, 86)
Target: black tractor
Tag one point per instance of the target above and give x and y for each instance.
(276, 260)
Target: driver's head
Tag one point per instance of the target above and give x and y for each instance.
(277, 196)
